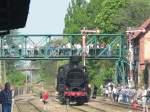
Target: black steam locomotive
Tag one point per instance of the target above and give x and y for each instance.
(72, 82)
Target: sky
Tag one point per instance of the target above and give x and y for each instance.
(46, 17)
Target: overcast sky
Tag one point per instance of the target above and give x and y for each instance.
(46, 17)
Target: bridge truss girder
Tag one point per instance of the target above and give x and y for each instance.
(122, 68)
(44, 47)
(23, 47)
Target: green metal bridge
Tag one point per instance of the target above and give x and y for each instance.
(46, 47)
(62, 46)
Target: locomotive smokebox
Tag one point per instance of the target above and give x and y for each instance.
(75, 59)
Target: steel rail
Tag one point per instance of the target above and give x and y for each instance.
(29, 104)
(122, 105)
(80, 109)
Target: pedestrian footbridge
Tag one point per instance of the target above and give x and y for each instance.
(62, 46)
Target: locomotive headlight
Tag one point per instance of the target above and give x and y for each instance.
(89, 85)
(67, 89)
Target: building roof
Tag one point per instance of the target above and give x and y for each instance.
(146, 26)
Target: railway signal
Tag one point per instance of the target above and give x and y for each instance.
(138, 30)
(91, 31)
(84, 35)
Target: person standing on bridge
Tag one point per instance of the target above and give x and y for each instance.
(6, 98)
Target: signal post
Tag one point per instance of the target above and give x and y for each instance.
(84, 33)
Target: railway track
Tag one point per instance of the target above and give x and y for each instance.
(29, 104)
(82, 108)
(88, 108)
(26, 106)
(117, 106)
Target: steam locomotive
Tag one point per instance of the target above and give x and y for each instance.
(72, 82)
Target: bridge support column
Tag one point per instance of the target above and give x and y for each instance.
(2, 72)
(121, 72)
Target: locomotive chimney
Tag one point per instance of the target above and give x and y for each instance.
(75, 59)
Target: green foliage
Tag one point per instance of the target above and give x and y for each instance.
(10, 66)
(16, 78)
(109, 15)
(98, 72)
(76, 18)
(100, 77)
(132, 15)
(105, 17)
(47, 71)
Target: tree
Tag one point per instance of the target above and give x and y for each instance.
(93, 8)
(110, 16)
(117, 15)
(98, 72)
(16, 78)
(132, 15)
(105, 17)
(76, 17)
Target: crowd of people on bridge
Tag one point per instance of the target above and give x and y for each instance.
(76, 49)
(54, 50)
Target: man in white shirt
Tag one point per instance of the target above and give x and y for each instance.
(144, 101)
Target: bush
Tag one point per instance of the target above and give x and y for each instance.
(16, 78)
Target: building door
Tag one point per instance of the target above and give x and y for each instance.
(147, 75)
